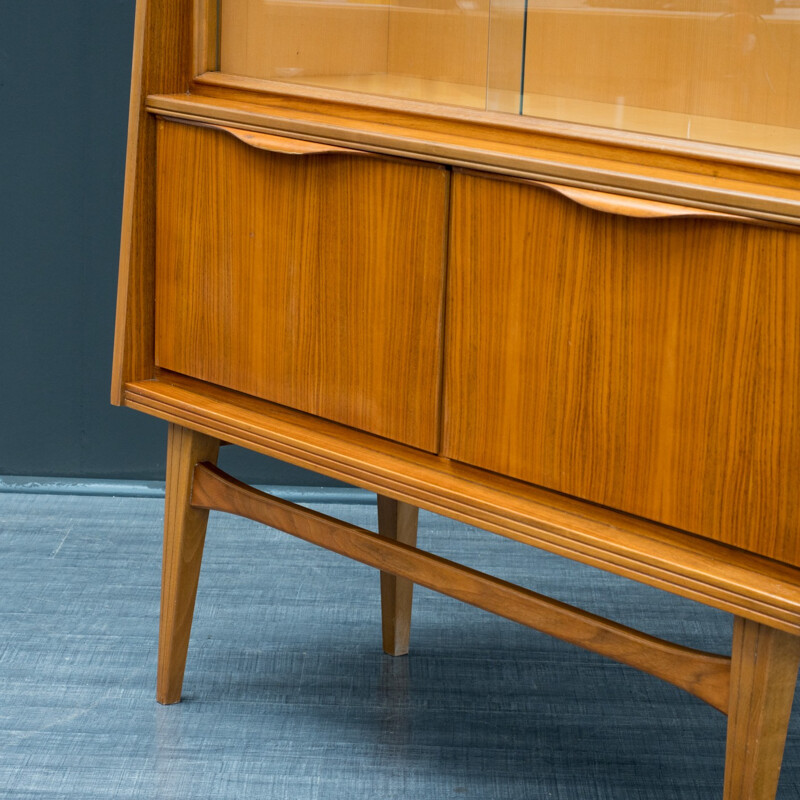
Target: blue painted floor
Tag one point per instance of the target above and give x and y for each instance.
(287, 695)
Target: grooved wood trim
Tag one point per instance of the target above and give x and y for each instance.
(651, 148)
(711, 573)
(754, 192)
(702, 674)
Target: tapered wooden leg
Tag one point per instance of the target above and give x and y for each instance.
(396, 521)
(184, 536)
(763, 677)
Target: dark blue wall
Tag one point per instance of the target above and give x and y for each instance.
(64, 80)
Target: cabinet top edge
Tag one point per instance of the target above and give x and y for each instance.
(760, 193)
(272, 91)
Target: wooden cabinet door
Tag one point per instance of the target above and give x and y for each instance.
(651, 365)
(313, 281)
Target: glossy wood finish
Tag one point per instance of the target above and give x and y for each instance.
(762, 186)
(648, 365)
(398, 522)
(294, 278)
(184, 537)
(162, 62)
(765, 664)
(634, 207)
(283, 144)
(720, 576)
(705, 675)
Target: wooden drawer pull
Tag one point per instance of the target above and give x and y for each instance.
(285, 145)
(633, 206)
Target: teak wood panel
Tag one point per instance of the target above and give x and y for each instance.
(162, 62)
(647, 365)
(313, 281)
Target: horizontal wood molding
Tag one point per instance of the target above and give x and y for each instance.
(704, 675)
(722, 577)
(224, 85)
(756, 193)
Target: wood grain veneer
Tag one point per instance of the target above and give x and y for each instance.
(162, 62)
(314, 281)
(649, 365)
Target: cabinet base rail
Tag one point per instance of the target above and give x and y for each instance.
(704, 675)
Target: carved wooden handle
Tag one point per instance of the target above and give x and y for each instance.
(283, 144)
(633, 206)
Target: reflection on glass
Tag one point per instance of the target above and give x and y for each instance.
(723, 71)
(433, 50)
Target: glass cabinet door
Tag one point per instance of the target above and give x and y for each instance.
(722, 71)
(430, 50)
(719, 71)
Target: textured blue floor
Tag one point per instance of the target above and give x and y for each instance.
(287, 695)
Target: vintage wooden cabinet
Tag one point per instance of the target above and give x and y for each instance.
(531, 266)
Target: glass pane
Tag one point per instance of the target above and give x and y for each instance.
(723, 71)
(432, 50)
(720, 71)
(504, 78)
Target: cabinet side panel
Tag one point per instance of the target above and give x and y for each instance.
(162, 56)
(312, 281)
(648, 365)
